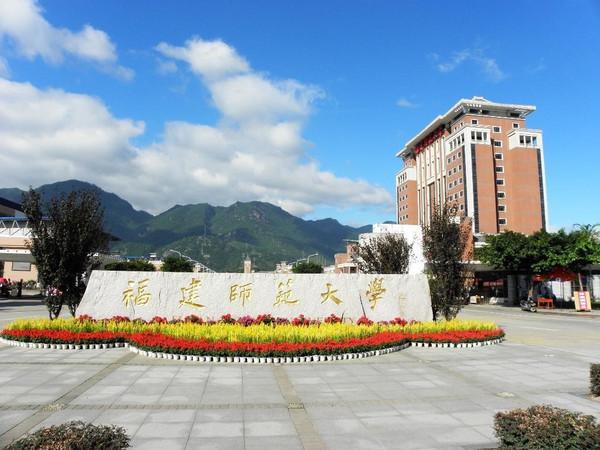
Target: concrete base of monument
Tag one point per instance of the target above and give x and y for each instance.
(248, 359)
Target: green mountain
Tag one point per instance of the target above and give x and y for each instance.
(217, 236)
(121, 219)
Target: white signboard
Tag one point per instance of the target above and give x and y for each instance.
(211, 295)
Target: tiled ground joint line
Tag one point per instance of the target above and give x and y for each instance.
(306, 431)
(45, 411)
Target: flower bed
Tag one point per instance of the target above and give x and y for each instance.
(248, 337)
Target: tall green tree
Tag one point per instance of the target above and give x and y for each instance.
(65, 234)
(444, 244)
(542, 252)
(582, 249)
(509, 251)
(388, 253)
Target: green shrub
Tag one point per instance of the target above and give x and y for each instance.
(307, 267)
(595, 379)
(136, 265)
(174, 263)
(74, 435)
(545, 427)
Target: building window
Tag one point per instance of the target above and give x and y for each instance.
(501, 194)
(501, 208)
(460, 194)
(497, 129)
(502, 221)
(515, 125)
(500, 182)
(474, 122)
(21, 266)
(498, 156)
(497, 143)
(499, 169)
(462, 207)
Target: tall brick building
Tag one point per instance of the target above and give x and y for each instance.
(481, 156)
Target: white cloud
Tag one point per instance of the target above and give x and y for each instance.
(405, 103)
(210, 59)
(487, 65)
(22, 21)
(165, 67)
(256, 150)
(4, 71)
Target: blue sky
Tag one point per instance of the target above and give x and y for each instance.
(366, 77)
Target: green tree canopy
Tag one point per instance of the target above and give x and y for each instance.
(136, 265)
(444, 244)
(65, 234)
(508, 251)
(388, 253)
(307, 267)
(542, 252)
(174, 263)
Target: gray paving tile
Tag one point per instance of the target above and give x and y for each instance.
(272, 443)
(158, 444)
(269, 428)
(214, 443)
(163, 430)
(217, 429)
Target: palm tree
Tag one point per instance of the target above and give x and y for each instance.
(589, 229)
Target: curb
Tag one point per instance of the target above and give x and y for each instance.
(267, 359)
(460, 345)
(555, 312)
(64, 346)
(248, 359)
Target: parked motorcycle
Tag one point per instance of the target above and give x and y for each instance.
(528, 304)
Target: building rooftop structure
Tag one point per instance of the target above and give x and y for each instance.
(475, 105)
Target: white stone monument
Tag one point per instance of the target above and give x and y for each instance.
(211, 295)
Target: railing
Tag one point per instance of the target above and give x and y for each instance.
(14, 227)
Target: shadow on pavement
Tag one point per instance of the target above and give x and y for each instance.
(24, 301)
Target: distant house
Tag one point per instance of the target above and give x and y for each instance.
(16, 261)
(344, 262)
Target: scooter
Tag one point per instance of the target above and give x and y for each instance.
(528, 304)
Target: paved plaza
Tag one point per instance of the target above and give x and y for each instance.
(416, 398)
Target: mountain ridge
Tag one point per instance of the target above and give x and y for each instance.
(218, 236)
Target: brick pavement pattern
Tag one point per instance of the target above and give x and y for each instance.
(418, 398)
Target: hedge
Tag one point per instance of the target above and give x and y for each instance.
(543, 427)
(75, 435)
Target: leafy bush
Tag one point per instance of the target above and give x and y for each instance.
(74, 435)
(387, 253)
(174, 263)
(136, 265)
(595, 379)
(307, 267)
(545, 427)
